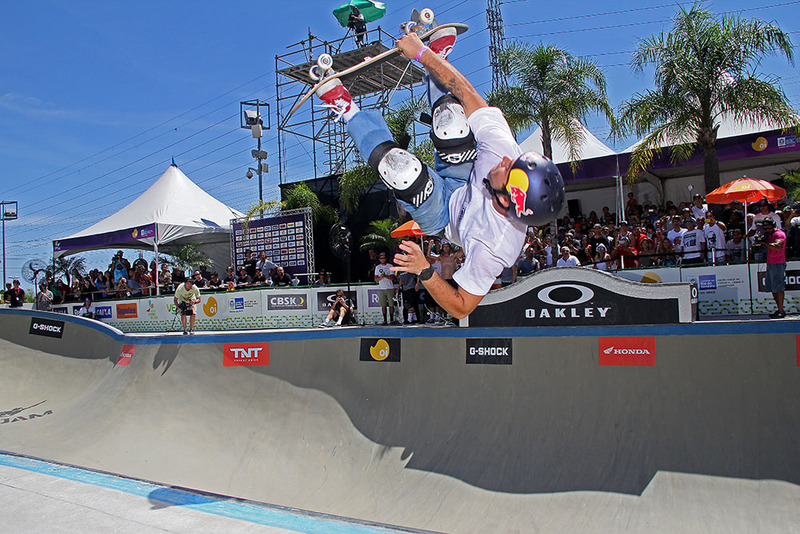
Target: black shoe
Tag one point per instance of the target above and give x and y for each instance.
(777, 315)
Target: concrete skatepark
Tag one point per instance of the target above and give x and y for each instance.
(706, 439)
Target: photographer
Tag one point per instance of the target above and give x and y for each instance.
(341, 310)
(774, 281)
(88, 309)
(187, 296)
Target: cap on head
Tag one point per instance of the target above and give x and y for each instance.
(535, 189)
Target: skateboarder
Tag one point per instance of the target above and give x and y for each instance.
(482, 191)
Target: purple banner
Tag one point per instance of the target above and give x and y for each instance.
(282, 238)
(145, 233)
(759, 144)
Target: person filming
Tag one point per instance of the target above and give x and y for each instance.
(341, 310)
(187, 296)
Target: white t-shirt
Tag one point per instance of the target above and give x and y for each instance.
(759, 218)
(384, 283)
(672, 234)
(572, 261)
(692, 243)
(491, 241)
(699, 213)
(715, 239)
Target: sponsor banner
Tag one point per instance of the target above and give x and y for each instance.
(372, 298)
(209, 305)
(126, 354)
(127, 310)
(380, 350)
(245, 354)
(46, 327)
(103, 312)
(798, 350)
(628, 351)
(59, 309)
(575, 303)
(489, 351)
(76, 309)
(18, 414)
(325, 299)
(792, 280)
(283, 238)
(245, 304)
(287, 301)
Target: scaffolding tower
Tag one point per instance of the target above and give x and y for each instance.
(311, 137)
(494, 21)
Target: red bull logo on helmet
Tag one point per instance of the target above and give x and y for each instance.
(518, 190)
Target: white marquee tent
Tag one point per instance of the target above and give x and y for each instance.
(170, 214)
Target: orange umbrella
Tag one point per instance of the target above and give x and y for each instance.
(410, 228)
(745, 190)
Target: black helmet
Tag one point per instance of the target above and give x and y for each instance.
(535, 188)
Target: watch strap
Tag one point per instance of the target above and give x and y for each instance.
(426, 274)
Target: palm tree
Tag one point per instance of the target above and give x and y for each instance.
(380, 236)
(705, 70)
(63, 265)
(299, 196)
(188, 257)
(355, 181)
(551, 89)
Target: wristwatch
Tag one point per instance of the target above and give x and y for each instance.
(426, 274)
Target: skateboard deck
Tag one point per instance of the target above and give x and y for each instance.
(424, 37)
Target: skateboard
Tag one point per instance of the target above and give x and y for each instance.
(322, 71)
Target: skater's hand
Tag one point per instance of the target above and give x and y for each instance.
(413, 261)
(409, 45)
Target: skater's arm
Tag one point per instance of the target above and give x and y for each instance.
(456, 301)
(444, 72)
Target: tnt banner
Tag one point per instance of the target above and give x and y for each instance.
(285, 239)
(245, 354)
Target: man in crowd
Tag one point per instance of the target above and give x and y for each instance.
(16, 296)
(567, 259)
(342, 310)
(187, 296)
(698, 208)
(527, 264)
(737, 251)
(265, 266)
(482, 190)
(198, 280)
(693, 243)
(281, 278)
(714, 234)
(774, 281)
(384, 277)
(44, 299)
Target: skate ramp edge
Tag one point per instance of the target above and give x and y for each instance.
(417, 436)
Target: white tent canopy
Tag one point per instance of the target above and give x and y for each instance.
(171, 213)
(591, 147)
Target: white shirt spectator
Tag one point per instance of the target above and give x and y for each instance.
(715, 240)
(692, 244)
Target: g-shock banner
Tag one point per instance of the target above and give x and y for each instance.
(46, 327)
(489, 351)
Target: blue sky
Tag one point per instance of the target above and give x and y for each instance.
(96, 97)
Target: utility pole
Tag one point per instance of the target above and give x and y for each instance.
(494, 21)
(252, 119)
(8, 212)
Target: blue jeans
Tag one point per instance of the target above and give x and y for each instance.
(368, 130)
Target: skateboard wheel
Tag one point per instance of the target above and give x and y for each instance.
(315, 73)
(411, 27)
(325, 62)
(426, 15)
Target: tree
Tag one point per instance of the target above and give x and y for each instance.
(355, 181)
(380, 236)
(791, 179)
(299, 196)
(188, 257)
(705, 70)
(63, 265)
(551, 89)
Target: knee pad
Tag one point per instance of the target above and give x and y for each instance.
(450, 132)
(402, 172)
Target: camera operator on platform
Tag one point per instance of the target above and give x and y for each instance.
(187, 296)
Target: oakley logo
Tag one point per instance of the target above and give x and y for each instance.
(567, 290)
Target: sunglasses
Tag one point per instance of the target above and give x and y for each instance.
(496, 192)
